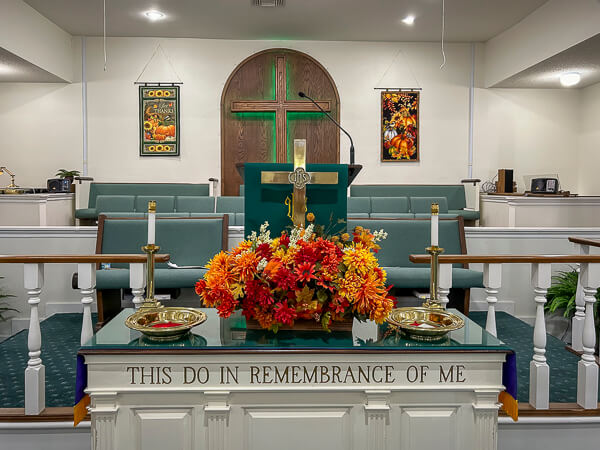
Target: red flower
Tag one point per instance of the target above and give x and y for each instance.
(284, 314)
(284, 279)
(305, 272)
(200, 286)
(264, 251)
(284, 239)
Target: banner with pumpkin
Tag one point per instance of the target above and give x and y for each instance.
(400, 126)
(159, 120)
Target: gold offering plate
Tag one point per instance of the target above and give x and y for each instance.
(146, 320)
(425, 324)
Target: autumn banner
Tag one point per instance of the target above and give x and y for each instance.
(159, 121)
(400, 126)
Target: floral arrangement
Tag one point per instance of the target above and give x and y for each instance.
(301, 275)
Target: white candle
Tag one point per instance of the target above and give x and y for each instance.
(151, 224)
(434, 230)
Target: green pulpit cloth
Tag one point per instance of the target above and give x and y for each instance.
(267, 202)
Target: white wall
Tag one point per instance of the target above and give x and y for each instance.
(517, 128)
(589, 141)
(533, 131)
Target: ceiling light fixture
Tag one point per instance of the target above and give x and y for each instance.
(570, 79)
(408, 20)
(154, 15)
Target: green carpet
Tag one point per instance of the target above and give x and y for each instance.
(60, 341)
(519, 336)
(61, 334)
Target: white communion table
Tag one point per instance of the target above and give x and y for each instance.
(225, 387)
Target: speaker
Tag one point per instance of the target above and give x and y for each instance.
(59, 185)
(505, 181)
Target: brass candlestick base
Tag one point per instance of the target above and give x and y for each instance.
(150, 302)
(434, 301)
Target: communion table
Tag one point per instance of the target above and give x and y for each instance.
(225, 387)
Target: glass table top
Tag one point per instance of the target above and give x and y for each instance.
(231, 335)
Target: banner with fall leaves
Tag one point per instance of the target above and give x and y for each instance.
(159, 120)
(400, 126)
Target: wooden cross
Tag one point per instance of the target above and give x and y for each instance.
(281, 105)
(299, 178)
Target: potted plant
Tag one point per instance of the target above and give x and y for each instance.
(68, 175)
(561, 296)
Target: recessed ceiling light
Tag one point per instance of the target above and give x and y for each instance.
(154, 15)
(408, 20)
(570, 79)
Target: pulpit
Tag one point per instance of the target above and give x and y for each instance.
(225, 387)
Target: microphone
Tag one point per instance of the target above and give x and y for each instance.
(303, 95)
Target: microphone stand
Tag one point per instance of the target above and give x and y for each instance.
(303, 95)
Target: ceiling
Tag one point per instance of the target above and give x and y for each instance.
(353, 20)
(583, 58)
(19, 70)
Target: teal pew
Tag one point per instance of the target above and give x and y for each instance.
(190, 241)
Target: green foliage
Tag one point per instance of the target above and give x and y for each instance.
(64, 173)
(4, 307)
(561, 295)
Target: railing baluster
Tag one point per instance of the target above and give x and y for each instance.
(35, 373)
(444, 283)
(492, 279)
(137, 282)
(587, 368)
(579, 317)
(86, 282)
(539, 371)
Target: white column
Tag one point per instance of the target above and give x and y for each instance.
(86, 282)
(492, 279)
(377, 410)
(103, 412)
(35, 373)
(587, 369)
(217, 416)
(445, 283)
(539, 371)
(137, 282)
(485, 410)
(579, 317)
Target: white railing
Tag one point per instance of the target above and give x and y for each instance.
(541, 275)
(35, 377)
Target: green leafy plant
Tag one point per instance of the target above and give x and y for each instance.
(561, 295)
(4, 307)
(64, 173)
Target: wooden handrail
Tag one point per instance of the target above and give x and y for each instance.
(584, 241)
(81, 259)
(502, 259)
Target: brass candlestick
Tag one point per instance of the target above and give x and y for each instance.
(434, 301)
(150, 249)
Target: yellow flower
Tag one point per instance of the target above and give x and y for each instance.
(359, 259)
(147, 126)
(310, 217)
(345, 237)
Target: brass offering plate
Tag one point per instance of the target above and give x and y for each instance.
(165, 324)
(425, 324)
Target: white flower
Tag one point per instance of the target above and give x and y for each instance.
(308, 232)
(379, 235)
(261, 264)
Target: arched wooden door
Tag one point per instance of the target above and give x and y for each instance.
(262, 113)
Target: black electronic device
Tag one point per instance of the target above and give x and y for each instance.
(544, 185)
(59, 185)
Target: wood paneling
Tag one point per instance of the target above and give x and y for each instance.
(261, 113)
